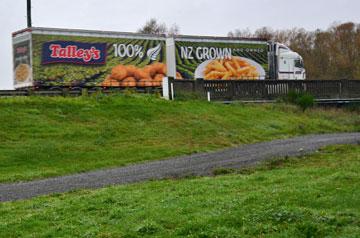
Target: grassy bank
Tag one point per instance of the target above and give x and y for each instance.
(42, 136)
(312, 196)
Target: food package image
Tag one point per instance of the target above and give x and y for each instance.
(132, 76)
(22, 73)
(235, 68)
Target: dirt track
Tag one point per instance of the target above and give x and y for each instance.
(197, 164)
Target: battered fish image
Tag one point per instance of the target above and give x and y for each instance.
(233, 68)
(22, 72)
(132, 76)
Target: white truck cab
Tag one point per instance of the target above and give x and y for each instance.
(290, 64)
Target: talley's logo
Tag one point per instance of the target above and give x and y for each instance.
(74, 52)
(21, 50)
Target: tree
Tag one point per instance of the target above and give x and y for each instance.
(344, 49)
(264, 33)
(241, 33)
(153, 27)
(173, 30)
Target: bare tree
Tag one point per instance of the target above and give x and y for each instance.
(264, 33)
(153, 27)
(246, 33)
(173, 30)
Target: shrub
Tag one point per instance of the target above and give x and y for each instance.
(292, 96)
(305, 101)
(301, 99)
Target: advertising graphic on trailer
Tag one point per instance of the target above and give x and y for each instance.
(221, 59)
(127, 61)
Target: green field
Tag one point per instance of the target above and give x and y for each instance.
(42, 136)
(312, 196)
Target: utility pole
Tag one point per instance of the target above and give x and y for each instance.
(28, 13)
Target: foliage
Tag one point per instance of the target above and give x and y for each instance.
(173, 30)
(292, 96)
(154, 27)
(328, 54)
(311, 196)
(303, 100)
(49, 136)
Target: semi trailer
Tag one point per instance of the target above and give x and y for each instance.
(53, 58)
(232, 58)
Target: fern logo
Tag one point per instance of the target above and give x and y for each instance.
(154, 52)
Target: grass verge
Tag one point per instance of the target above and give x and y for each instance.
(312, 196)
(42, 136)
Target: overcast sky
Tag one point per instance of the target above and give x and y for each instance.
(194, 17)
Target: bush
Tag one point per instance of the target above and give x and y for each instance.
(301, 99)
(292, 97)
(305, 101)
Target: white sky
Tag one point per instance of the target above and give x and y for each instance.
(194, 17)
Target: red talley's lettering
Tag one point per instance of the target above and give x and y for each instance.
(73, 52)
(21, 50)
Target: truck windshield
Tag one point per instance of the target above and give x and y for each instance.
(299, 63)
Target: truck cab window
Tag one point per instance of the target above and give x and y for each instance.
(299, 63)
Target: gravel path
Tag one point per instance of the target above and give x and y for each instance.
(197, 164)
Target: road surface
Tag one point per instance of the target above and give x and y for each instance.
(198, 165)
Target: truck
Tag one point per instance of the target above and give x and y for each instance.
(53, 58)
(232, 58)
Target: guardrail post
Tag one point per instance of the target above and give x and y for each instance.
(65, 92)
(148, 90)
(30, 91)
(171, 88)
(84, 92)
(165, 88)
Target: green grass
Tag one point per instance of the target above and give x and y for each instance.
(311, 196)
(42, 136)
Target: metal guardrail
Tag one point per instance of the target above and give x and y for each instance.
(69, 92)
(255, 90)
(321, 102)
(8, 93)
(266, 91)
